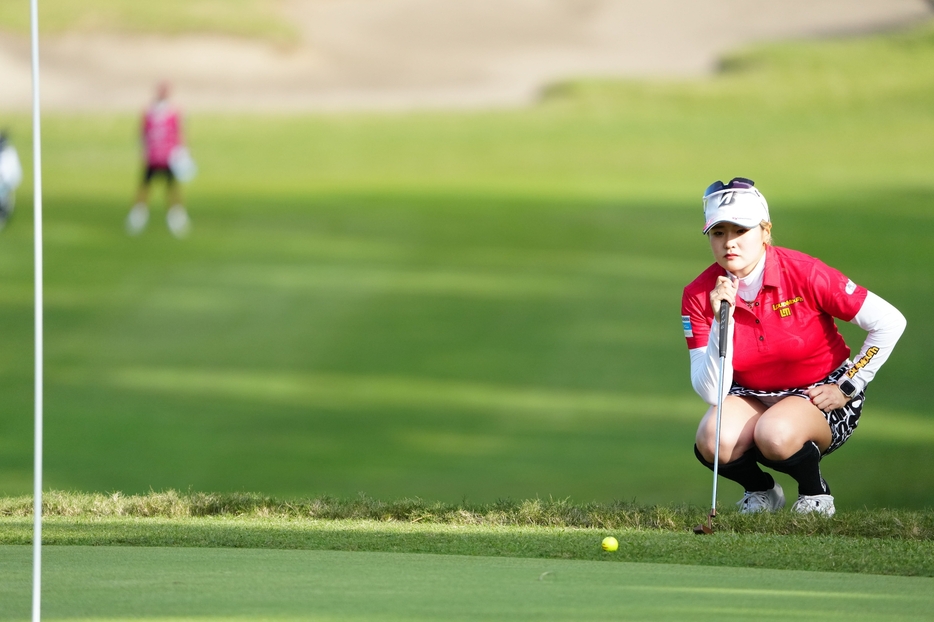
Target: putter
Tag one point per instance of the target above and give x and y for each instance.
(707, 529)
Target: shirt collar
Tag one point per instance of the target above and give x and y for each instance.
(772, 273)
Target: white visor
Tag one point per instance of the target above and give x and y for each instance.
(745, 207)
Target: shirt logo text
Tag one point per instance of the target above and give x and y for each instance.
(784, 308)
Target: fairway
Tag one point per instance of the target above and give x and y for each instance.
(113, 583)
(455, 306)
(463, 307)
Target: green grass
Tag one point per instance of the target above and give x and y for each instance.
(474, 314)
(462, 306)
(242, 18)
(224, 584)
(878, 542)
(725, 549)
(892, 524)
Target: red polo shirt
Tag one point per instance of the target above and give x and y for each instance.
(788, 337)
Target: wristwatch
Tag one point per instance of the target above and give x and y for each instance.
(848, 389)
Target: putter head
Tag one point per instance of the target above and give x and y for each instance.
(706, 530)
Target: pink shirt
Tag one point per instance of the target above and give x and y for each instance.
(162, 132)
(788, 337)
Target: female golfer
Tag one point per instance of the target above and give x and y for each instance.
(795, 395)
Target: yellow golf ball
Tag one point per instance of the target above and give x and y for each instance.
(610, 543)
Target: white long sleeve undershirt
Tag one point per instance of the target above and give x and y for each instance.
(705, 365)
(883, 323)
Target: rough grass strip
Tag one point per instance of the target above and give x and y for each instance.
(880, 523)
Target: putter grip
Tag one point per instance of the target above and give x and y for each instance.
(724, 326)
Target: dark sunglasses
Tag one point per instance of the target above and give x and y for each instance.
(736, 182)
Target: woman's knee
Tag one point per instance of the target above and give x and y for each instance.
(778, 438)
(774, 443)
(784, 428)
(705, 446)
(732, 443)
(707, 433)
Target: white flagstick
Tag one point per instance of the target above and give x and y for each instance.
(37, 245)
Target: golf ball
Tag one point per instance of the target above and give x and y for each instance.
(610, 543)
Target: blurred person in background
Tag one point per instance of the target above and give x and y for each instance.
(11, 174)
(794, 394)
(162, 143)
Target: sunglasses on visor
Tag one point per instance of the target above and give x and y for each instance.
(735, 183)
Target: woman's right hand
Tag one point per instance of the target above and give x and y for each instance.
(725, 291)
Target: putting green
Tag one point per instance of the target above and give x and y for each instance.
(111, 583)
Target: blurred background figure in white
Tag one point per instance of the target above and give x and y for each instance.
(11, 174)
(164, 156)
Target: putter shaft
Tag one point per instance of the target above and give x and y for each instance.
(724, 333)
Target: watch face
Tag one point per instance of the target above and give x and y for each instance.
(848, 388)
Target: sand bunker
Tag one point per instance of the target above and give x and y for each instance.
(404, 54)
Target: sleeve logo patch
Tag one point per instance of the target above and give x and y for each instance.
(850, 287)
(686, 325)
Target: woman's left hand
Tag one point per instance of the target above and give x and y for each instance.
(827, 397)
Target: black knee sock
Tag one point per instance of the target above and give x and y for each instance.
(744, 471)
(804, 467)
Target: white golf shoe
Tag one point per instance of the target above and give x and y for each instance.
(808, 504)
(137, 218)
(762, 501)
(177, 219)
